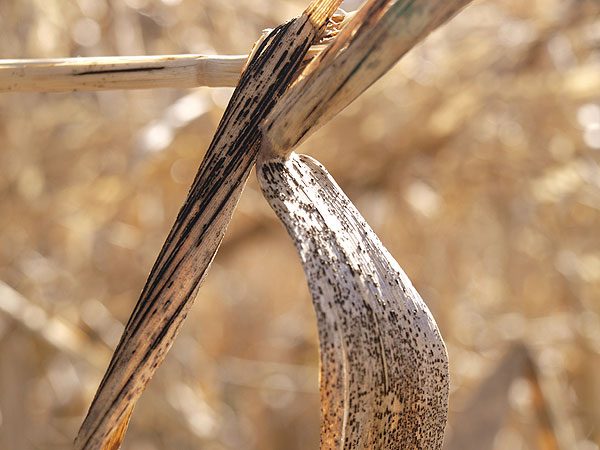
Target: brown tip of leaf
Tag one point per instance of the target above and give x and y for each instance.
(116, 437)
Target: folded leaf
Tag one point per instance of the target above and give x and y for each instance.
(384, 367)
(197, 233)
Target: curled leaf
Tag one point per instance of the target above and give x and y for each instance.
(384, 367)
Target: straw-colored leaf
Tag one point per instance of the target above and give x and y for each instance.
(384, 367)
(195, 237)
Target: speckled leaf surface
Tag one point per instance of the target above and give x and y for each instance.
(384, 367)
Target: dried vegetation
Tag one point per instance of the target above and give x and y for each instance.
(476, 160)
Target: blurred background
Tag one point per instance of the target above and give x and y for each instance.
(476, 160)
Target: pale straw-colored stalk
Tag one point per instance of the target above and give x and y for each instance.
(122, 72)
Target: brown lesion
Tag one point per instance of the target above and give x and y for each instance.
(112, 71)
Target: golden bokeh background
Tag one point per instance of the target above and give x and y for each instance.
(476, 160)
